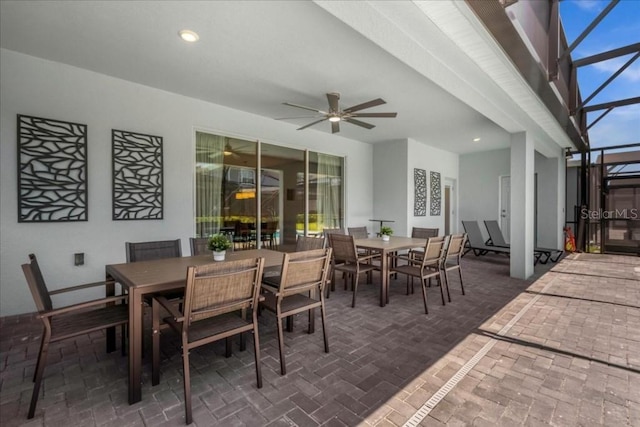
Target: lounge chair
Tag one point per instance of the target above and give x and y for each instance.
(497, 239)
(475, 241)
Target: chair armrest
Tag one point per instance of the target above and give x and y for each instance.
(79, 306)
(368, 257)
(170, 307)
(78, 287)
(269, 288)
(406, 258)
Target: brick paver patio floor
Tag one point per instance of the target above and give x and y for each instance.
(562, 348)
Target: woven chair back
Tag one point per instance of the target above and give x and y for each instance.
(424, 233)
(307, 243)
(37, 285)
(456, 246)
(222, 287)
(344, 247)
(198, 245)
(327, 231)
(433, 251)
(358, 232)
(146, 251)
(302, 271)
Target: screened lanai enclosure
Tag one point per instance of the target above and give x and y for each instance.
(603, 199)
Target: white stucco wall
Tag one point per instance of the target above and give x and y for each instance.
(41, 88)
(393, 195)
(390, 184)
(480, 174)
(431, 159)
(479, 185)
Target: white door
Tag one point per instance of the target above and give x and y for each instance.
(505, 203)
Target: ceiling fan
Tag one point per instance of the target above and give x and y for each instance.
(335, 115)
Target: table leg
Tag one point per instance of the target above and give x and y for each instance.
(110, 290)
(135, 346)
(384, 280)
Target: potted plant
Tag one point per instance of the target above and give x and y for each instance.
(219, 244)
(385, 232)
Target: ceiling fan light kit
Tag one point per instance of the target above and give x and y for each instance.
(335, 115)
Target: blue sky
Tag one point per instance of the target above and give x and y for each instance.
(621, 27)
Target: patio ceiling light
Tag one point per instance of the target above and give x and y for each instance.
(189, 36)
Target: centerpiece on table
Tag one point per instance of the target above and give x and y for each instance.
(386, 233)
(219, 243)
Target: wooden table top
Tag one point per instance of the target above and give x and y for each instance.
(395, 243)
(174, 270)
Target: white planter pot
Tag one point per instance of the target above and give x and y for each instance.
(219, 256)
(385, 238)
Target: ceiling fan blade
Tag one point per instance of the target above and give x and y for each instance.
(313, 123)
(359, 123)
(373, 115)
(304, 108)
(369, 104)
(333, 101)
(297, 117)
(335, 127)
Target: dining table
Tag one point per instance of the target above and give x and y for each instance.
(386, 249)
(140, 279)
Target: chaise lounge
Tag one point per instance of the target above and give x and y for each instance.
(497, 239)
(475, 241)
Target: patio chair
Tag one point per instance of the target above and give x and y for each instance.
(452, 258)
(146, 251)
(422, 233)
(358, 232)
(300, 288)
(198, 246)
(217, 298)
(70, 321)
(496, 238)
(475, 241)
(307, 243)
(152, 250)
(348, 261)
(334, 261)
(429, 266)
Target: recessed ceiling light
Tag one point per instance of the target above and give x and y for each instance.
(476, 139)
(189, 36)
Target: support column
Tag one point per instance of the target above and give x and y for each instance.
(561, 164)
(522, 215)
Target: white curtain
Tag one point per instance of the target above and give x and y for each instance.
(209, 176)
(329, 182)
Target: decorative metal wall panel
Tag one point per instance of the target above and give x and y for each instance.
(420, 192)
(436, 193)
(52, 170)
(137, 176)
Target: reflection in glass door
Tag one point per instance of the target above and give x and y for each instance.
(268, 209)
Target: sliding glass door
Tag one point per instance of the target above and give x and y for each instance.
(295, 192)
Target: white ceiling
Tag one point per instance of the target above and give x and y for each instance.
(251, 56)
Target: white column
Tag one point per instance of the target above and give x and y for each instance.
(522, 215)
(562, 197)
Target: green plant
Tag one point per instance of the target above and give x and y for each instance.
(218, 243)
(386, 231)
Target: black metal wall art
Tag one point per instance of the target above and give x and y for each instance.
(137, 176)
(420, 192)
(436, 193)
(52, 170)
